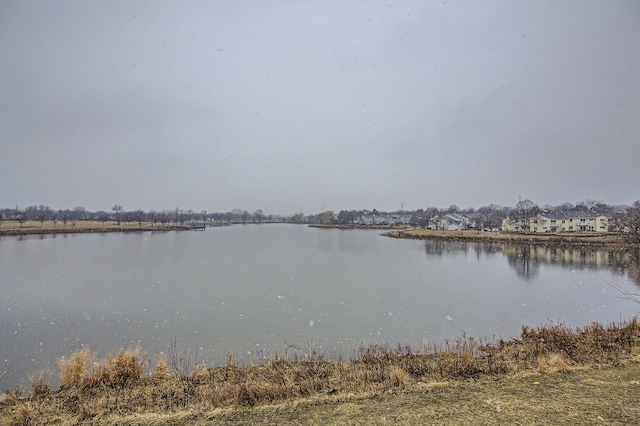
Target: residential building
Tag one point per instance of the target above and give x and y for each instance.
(384, 219)
(560, 222)
(451, 222)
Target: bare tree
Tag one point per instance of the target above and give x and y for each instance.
(491, 216)
(103, 217)
(325, 217)
(164, 217)
(630, 222)
(20, 217)
(298, 218)
(138, 216)
(258, 215)
(524, 210)
(346, 217)
(64, 216)
(117, 209)
(422, 217)
(79, 213)
(44, 213)
(453, 209)
(153, 218)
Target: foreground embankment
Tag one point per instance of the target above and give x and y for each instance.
(550, 375)
(505, 237)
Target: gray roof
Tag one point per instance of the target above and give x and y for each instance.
(572, 215)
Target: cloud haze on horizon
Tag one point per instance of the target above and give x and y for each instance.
(290, 106)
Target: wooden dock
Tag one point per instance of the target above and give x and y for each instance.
(198, 226)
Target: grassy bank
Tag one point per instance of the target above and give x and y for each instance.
(8, 227)
(505, 237)
(550, 375)
(392, 227)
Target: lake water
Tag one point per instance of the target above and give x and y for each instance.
(255, 289)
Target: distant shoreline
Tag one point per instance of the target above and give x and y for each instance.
(402, 231)
(557, 240)
(83, 227)
(388, 227)
(593, 240)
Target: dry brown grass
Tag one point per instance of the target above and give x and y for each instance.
(554, 363)
(482, 236)
(74, 370)
(10, 227)
(161, 371)
(115, 388)
(40, 387)
(121, 369)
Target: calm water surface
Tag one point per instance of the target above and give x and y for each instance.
(259, 288)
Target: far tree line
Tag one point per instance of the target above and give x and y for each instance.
(489, 216)
(486, 217)
(118, 215)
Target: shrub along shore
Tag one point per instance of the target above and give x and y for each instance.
(568, 368)
(596, 240)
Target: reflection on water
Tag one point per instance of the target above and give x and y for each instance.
(527, 259)
(521, 259)
(258, 288)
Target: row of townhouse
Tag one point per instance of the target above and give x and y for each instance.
(559, 222)
(384, 219)
(450, 221)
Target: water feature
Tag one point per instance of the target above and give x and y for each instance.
(255, 289)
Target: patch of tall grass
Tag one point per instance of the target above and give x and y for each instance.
(80, 370)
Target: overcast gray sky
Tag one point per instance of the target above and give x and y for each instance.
(291, 106)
